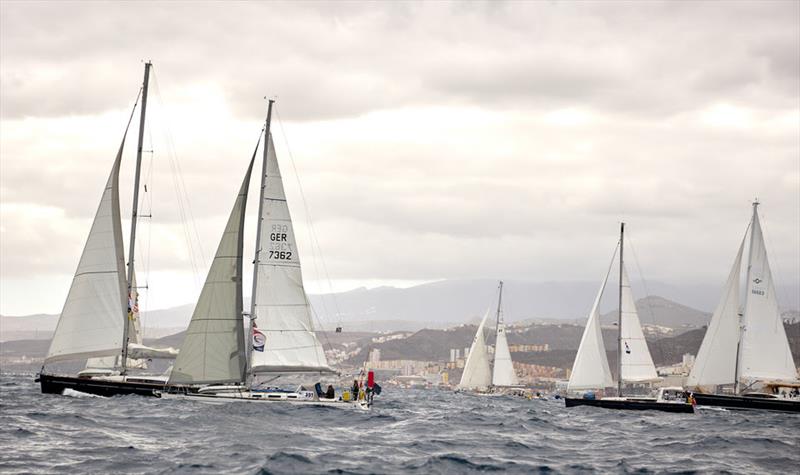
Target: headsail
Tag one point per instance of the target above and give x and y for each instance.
(282, 312)
(503, 373)
(765, 352)
(92, 320)
(213, 350)
(716, 359)
(590, 369)
(637, 364)
(477, 374)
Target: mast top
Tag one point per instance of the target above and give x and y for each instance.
(756, 202)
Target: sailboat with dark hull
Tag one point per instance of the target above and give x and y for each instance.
(99, 324)
(634, 363)
(747, 352)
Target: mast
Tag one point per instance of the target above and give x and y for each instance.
(499, 302)
(746, 297)
(134, 214)
(619, 314)
(248, 350)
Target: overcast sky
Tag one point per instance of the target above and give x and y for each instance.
(432, 140)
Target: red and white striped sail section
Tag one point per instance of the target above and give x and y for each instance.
(282, 311)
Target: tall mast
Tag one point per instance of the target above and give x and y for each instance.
(134, 214)
(619, 314)
(499, 302)
(746, 296)
(248, 346)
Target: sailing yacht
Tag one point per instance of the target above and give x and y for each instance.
(747, 350)
(590, 369)
(99, 324)
(477, 375)
(217, 364)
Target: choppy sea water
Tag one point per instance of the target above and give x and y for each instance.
(408, 431)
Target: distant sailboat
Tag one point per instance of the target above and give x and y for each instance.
(746, 349)
(217, 363)
(591, 370)
(477, 374)
(100, 319)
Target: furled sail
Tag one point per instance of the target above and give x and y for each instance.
(282, 312)
(213, 351)
(477, 374)
(716, 359)
(590, 369)
(92, 320)
(637, 364)
(765, 352)
(503, 373)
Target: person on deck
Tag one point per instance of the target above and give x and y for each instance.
(355, 390)
(330, 393)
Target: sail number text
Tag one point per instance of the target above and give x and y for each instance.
(279, 247)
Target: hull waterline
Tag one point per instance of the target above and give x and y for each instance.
(55, 384)
(747, 402)
(631, 404)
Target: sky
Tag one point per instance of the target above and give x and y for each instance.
(419, 141)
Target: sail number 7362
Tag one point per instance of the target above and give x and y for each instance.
(280, 248)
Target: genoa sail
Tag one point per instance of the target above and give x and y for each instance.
(213, 349)
(590, 370)
(282, 315)
(765, 352)
(637, 364)
(503, 373)
(477, 374)
(94, 313)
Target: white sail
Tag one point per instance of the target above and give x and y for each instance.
(213, 351)
(477, 374)
(716, 359)
(503, 373)
(637, 364)
(590, 369)
(765, 353)
(92, 320)
(284, 338)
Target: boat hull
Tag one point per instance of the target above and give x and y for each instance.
(234, 397)
(631, 404)
(55, 384)
(745, 402)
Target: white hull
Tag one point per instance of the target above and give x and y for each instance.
(297, 399)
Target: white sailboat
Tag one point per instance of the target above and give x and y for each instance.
(217, 363)
(99, 323)
(750, 349)
(477, 375)
(591, 370)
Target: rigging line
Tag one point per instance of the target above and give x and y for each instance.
(777, 272)
(312, 230)
(647, 294)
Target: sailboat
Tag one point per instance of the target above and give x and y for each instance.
(749, 349)
(591, 370)
(99, 323)
(217, 364)
(477, 375)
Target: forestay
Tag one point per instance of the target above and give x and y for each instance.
(91, 322)
(590, 369)
(637, 364)
(765, 352)
(503, 373)
(477, 374)
(282, 313)
(716, 359)
(213, 349)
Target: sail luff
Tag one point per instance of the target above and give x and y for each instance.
(212, 351)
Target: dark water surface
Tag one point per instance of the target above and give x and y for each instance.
(408, 431)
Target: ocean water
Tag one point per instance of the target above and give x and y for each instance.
(408, 431)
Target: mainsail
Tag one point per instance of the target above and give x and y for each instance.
(716, 360)
(213, 351)
(92, 320)
(281, 310)
(637, 364)
(590, 369)
(477, 374)
(765, 352)
(503, 373)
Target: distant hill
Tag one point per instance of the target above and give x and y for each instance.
(655, 310)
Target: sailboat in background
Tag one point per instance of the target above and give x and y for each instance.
(477, 375)
(217, 364)
(99, 323)
(634, 363)
(750, 349)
